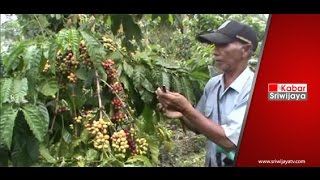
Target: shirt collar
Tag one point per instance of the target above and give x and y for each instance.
(240, 81)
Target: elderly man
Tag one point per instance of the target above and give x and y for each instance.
(220, 112)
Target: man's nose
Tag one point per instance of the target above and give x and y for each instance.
(215, 51)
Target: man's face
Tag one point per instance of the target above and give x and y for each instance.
(228, 57)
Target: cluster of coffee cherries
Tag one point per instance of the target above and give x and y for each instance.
(109, 44)
(117, 87)
(131, 141)
(98, 126)
(67, 64)
(84, 55)
(118, 116)
(119, 142)
(142, 146)
(72, 77)
(101, 141)
(77, 119)
(99, 130)
(110, 70)
(124, 142)
(62, 109)
(137, 146)
(117, 103)
(46, 67)
(88, 114)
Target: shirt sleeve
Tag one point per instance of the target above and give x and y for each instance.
(234, 123)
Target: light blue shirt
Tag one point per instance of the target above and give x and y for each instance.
(233, 103)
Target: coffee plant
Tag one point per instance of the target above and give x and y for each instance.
(73, 97)
(78, 90)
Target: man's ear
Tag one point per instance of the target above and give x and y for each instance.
(246, 49)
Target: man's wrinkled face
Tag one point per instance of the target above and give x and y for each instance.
(229, 56)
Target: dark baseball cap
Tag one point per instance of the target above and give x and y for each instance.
(230, 31)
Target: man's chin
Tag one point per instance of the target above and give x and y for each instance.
(215, 70)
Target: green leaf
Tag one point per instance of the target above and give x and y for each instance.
(131, 29)
(37, 118)
(147, 85)
(58, 16)
(108, 20)
(74, 41)
(80, 99)
(166, 79)
(125, 82)
(84, 137)
(155, 16)
(6, 89)
(42, 20)
(10, 62)
(86, 75)
(32, 57)
(52, 54)
(67, 137)
(188, 90)
(102, 73)
(44, 152)
(45, 46)
(142, 84)
(138, 158)
(94, 48)
(91, 155)
(116, 22)
(164, 18)
(112, 161)
(140, 79)
(146, 96)
(154, 150)
(144, 57)
(7, 119)
(127, 69)
(171, 19)
(62, 38)
(177, 86)
(25, 147)
(116, 56)
(4, 156)
(82, 73)
(147, 115)
(138, 75)
(19, 90)
(63, 149)
(200, 75)
(49, 87)
(157, 76)
(68, 38)
(167, 64)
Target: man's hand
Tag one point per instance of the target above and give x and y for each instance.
(169, 113)
(173, 101)
(172, 114)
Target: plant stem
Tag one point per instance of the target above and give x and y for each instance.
(121, 101)
(55, 113)
(98, 93)
(41, 28)
(73, 95)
